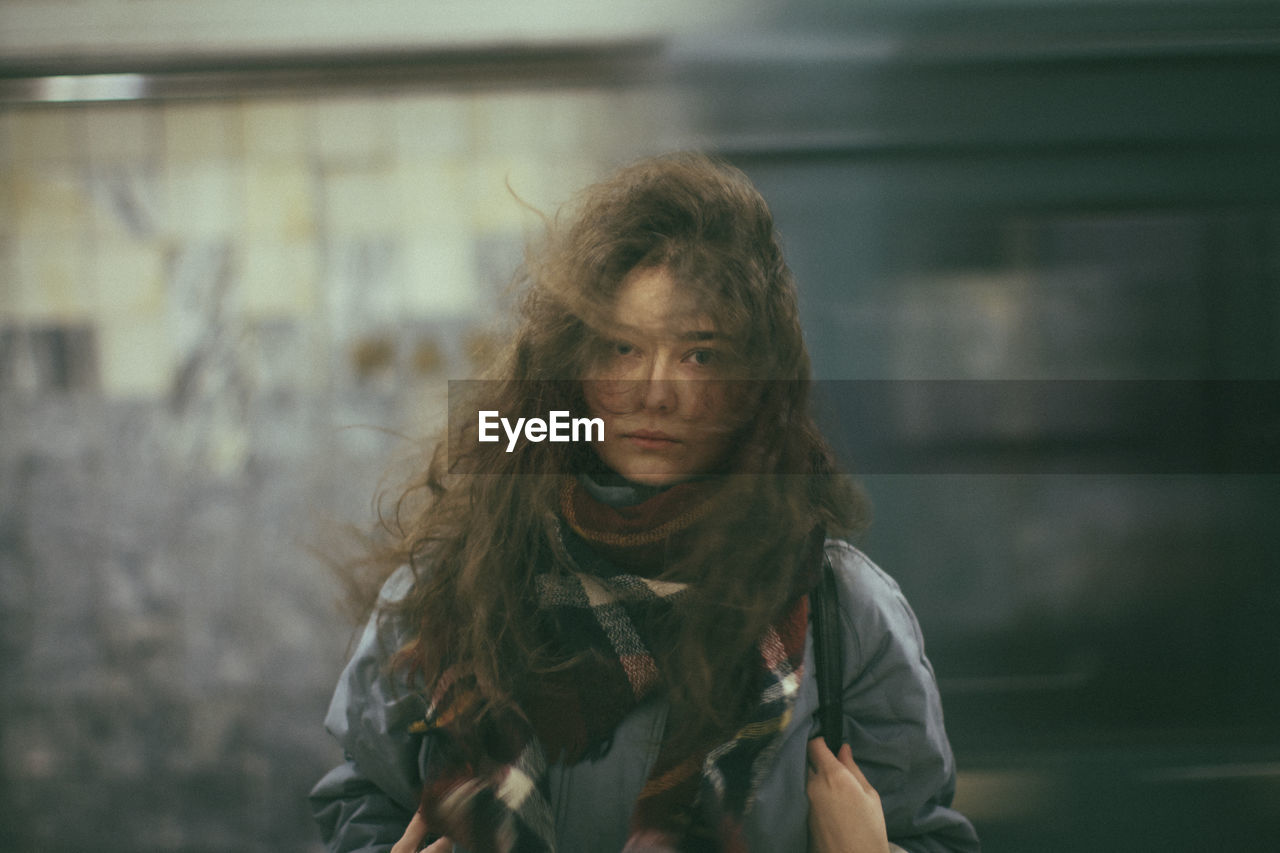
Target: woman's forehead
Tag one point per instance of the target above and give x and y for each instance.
(650, 303)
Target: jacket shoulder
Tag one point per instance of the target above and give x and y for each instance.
(893, 713)
(873, 610)
(373, 708)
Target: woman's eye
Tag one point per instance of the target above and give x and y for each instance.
(622, 348)
(702, 357)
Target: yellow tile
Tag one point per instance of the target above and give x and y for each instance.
(440, 274)
(135, 357)
(46, 135)
(6, 137)
(51, 280)
(49, 201)
(126, 201)
(434, 192)
(278, 130)
(9, 295)
(573, 122)
(551, 122)
(361, 202)
(279, 279)
(123, 133)
(505, 123)
(279, 201)
(202, 132)
(129, 279)
(353, 131)
(203, 199)
(428, 126)
(8, 207)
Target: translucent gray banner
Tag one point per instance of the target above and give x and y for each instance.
(920, 426)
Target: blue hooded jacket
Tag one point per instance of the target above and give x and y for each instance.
(893, 722)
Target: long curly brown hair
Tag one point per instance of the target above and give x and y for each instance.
(479, 524)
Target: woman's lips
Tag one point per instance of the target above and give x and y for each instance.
(649, 439)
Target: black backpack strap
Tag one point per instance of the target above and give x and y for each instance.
(828, 656)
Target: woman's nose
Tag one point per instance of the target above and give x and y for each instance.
(660, 392)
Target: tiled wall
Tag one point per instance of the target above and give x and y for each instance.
(347, 212)
(215, 317)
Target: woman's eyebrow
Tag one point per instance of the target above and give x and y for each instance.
(698, 335)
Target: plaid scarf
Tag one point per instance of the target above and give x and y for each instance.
(485, 788)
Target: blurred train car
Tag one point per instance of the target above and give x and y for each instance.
(1039, 256)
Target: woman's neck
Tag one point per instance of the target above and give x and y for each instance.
(612, 489)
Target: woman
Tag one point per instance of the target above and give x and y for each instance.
(599, 645)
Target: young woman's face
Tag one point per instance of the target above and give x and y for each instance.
(665, 418)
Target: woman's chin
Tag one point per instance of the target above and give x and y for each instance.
(646, 476)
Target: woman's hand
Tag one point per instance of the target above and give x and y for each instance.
(844, 810)
(413, 835)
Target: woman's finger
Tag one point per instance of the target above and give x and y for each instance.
(413, 835)
(845, 757)
(440, 845)
(820, 758)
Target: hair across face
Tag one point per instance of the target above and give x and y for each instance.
(659, 386)
(700, 221)
(700, 230)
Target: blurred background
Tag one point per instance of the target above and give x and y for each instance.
(243, 247)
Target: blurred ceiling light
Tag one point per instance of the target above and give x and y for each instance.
(90, 87)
